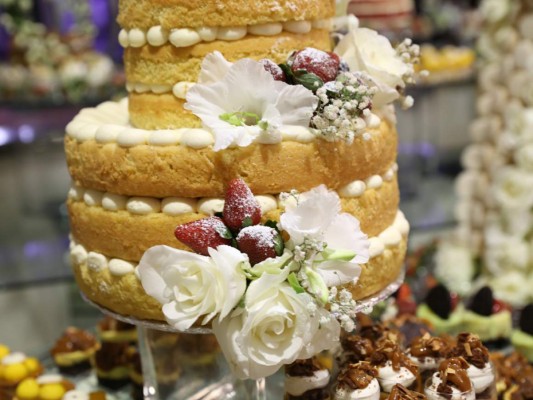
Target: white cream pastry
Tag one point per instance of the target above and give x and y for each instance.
(388, 377)
(481, 378)
(298, 385)
(371, 392)
(432, 392)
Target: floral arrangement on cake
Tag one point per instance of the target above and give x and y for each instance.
(269, 290)
(332, 94)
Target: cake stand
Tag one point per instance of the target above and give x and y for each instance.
(174, 370)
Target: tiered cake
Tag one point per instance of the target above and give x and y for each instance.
(384, 14)
(494, 192)
(157, 160)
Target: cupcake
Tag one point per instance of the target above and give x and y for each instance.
(410, 326)
(15, 367)
(112, 363)
(515, 376)
(479, 370)
(522, 337)
(358, 382)
(394, 367)
(45, 387)
(115, 331)
(427, 353)
(450, 382)
(355, 348)
(306, 380)
(73, 351)
(198, 350)
(488, 318)
(440, 311)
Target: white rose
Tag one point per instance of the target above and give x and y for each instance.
(518, 221)
(274, 329)
(455, 267)
(512, 188)
(191, 286)
(512, 287)
(366, 51)
(495, 10)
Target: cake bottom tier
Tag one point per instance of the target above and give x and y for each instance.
(113, 284)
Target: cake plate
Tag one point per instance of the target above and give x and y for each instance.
(185, 365)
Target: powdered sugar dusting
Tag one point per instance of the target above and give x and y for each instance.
(202, 234)
(240, 204)
(324, 65)
(262, 235)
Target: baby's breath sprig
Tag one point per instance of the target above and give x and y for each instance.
(410, 55)
(344, 105)
(342, 307)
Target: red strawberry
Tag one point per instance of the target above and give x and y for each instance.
(274, 69)
(204, 233)
(322, 64)
(260, 242)
(240, 207)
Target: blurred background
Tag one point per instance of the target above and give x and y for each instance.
(58, 56)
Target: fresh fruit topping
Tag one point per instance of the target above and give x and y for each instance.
(482, 302)
(241, 209)
(526, 319)
(318, 62)
(439, 300)
(274, 69)
(259, 243)
(500, 306)
(204, 233)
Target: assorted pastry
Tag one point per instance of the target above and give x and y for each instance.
(73, 351)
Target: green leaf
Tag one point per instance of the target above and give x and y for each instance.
(224, 232)
(271, 265)
(288, 73)
(279, 245)
(293, 281)
(317, 285)
(219, 215)
(272, 224)
(263, 125)
(308, 80)
(246, 222)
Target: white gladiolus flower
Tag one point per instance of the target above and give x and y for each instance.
(193, 287)
(242, 103)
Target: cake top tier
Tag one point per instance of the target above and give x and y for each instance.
(144, 14)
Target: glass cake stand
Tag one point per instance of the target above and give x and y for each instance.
(189, 365)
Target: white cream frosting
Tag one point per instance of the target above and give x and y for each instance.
(481, 378)
(177, 206)
(298, 385)
(432, 393)
(14, 358)
(108, 123)
(425, 363)
(371, 392)
(185, 37)
(49, 378)
(96, 261)
(120, 267)
(76, 395)
(388, 377)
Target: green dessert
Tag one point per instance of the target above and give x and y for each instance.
(487, 317)
(438, 311)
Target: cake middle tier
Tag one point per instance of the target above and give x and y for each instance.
(104, 153)
(126, 227)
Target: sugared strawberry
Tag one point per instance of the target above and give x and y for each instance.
(259, 242)
(240, 207)
(274, 69)
(204, 233)
(322, 64)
